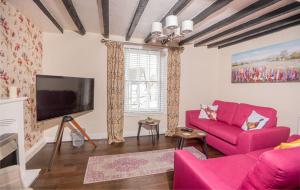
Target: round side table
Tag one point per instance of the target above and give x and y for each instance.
(152, 126)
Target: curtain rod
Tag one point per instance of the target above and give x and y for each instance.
(140, 44)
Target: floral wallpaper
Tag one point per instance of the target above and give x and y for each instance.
(20, 60)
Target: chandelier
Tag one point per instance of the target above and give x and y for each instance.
(171, 32)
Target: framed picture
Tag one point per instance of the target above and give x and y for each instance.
(275, 63)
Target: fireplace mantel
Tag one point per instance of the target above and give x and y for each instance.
(12, 121)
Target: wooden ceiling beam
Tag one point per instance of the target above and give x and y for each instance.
(105, 16)
(136, 18)
(268, 27)
(276, 13)
(261, 4)
(73, 14)
(48, 14)
(177, 8)
(260, 34)
(217, 5)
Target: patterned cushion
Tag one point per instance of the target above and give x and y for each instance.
(208, 112)
(254, 121)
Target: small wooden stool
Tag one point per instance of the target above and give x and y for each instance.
(153, 127)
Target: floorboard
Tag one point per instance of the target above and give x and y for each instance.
(70, 164)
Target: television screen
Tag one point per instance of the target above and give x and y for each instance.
(59, 96)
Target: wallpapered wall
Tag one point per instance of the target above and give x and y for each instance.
(20, 60)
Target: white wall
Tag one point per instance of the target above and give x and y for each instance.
(282, 96)
(85, 56)
(198, 79)
(205, 76)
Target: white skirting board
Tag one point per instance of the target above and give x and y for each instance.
(98, 136)
(35, 149)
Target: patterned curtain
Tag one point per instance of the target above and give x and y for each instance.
(115, 91)
(173, 89)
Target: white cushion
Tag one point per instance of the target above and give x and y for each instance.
(203, 114)
(254, 121)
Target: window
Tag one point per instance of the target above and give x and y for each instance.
(145, 80)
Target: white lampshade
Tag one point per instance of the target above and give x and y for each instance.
(156, 28)
(187, 26)
(171, 22)
(177, 31)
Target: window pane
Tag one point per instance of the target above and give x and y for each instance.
(145, 87)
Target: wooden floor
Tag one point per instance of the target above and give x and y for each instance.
(70, 164)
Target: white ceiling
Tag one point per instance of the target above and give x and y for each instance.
(122, 11)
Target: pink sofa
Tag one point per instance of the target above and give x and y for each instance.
(262, 169)
(226, 134)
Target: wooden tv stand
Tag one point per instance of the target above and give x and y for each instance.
(59, 136)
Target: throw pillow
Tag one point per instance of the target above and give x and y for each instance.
(292, 144)
(254, 121)
(208, 112)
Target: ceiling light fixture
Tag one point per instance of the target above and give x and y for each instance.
(171, 32)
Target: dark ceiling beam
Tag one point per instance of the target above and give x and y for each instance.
(48, 14)
(261, 4)
(260, 34)
(179, 6)
(105, 16)
(276, 13)
(217, 5)
(72, 12)
(136, 18)
(268, 27)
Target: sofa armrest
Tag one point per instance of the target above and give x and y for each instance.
(263, 138)
(190, 173)
(188, 115)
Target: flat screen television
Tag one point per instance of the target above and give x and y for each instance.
(59, 96)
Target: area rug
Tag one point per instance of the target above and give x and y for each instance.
(121, 166)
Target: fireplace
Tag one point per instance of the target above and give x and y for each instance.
(13, 139)
(8, 149)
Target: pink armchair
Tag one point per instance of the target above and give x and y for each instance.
(262, 169)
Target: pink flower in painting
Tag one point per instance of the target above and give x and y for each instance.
(126, 164)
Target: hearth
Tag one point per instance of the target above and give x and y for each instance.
(8, 149)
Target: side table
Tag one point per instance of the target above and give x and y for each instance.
(153, 127)
(195, 134)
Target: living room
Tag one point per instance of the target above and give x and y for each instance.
(43, 39)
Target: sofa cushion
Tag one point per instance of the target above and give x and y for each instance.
(226, 111)
(202, 124)
(255, 154)
(277, 169)
(224, 169)
(226, 132)
(244, 110)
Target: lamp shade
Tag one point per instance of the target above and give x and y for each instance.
(177, 31)
(171, 22)
(187, 26)
(156, 28)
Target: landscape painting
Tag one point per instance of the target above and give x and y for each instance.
(275, 63)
